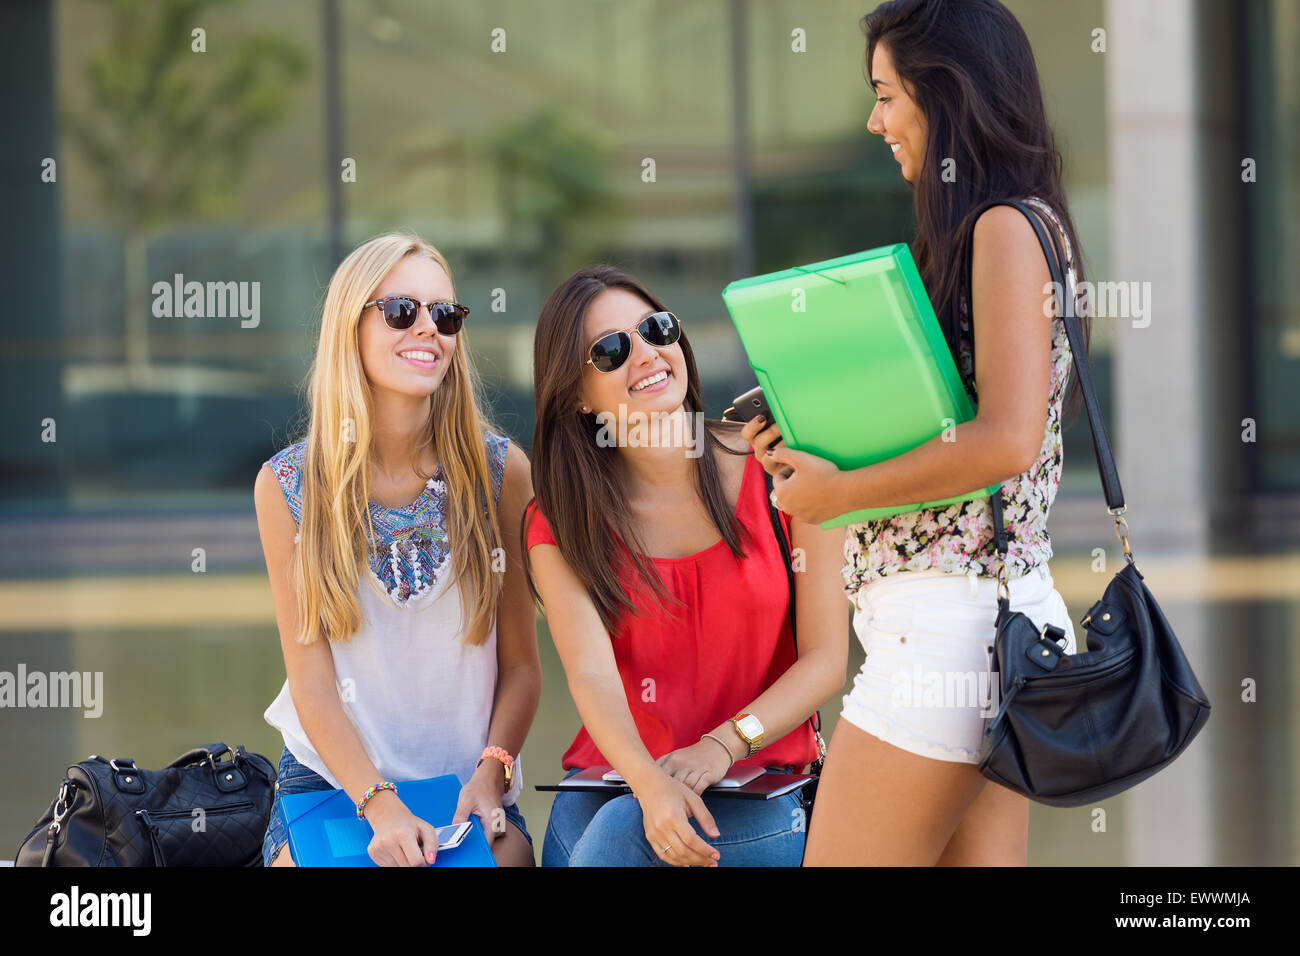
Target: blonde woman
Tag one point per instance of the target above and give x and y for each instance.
(391, 541)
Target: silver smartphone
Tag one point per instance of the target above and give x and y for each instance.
(749, 405)
(450, 836)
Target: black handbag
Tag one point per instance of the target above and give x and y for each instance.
(1073, 729)
(808, 792)
(199, 810)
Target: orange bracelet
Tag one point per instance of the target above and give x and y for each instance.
(500, 753)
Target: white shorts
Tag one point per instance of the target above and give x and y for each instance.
(928, 635)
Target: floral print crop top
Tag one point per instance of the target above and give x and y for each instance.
(959, 538)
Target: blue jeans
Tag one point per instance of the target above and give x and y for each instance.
(293, 777)
(596, 829)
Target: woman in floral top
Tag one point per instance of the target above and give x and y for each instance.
(959, 539)
(901, 783)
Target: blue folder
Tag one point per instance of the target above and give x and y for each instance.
(324, 830)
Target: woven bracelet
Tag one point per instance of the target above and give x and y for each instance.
(365, 798)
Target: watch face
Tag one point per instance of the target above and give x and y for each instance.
(750, 726)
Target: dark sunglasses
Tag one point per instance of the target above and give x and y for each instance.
(400, 312)
(611, 350)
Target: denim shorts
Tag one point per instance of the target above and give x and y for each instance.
(293, 777)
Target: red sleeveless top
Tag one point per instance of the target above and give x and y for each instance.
(730, 641)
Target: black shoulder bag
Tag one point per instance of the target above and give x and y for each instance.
(1073, 729)
(197, 811)
(809, 790)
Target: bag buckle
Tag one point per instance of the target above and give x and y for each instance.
(226, 773)
(1063, 640)
(126, 775)
(214, 757)
(1056, 644)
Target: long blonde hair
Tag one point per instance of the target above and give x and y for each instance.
(335, 526)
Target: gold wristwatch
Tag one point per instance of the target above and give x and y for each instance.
(750, 729)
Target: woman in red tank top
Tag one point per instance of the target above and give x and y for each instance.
(650, 546)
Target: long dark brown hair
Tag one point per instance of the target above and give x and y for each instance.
(969, 68)
(576, 482)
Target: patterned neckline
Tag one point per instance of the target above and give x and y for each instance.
(414, 506)
(410, 551)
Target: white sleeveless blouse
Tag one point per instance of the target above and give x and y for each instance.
(419, 697)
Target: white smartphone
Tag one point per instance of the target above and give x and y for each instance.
(450, 836)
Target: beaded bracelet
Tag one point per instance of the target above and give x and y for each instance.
(365, 798)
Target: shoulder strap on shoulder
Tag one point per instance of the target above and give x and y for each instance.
(1051, 247)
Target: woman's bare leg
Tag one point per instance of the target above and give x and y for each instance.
(994, 831)
(512, 849)
(879, 805)
(283, 858)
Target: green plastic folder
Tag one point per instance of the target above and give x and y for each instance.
(852, 361)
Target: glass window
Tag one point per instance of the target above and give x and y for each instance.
(1273, 207)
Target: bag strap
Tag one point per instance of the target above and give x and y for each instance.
(1110, 483)
(206, 754)
(784, 544)
(1078, 348)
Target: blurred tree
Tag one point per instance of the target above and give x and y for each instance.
(168, 129)
(555, 187)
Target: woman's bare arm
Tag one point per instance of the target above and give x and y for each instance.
(597, 690)
(310, 668)
(821, 619)
(1013, 337)
(589, 666)
(519, 669)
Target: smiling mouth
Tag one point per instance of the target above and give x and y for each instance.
(420, 358)
(656, 379)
